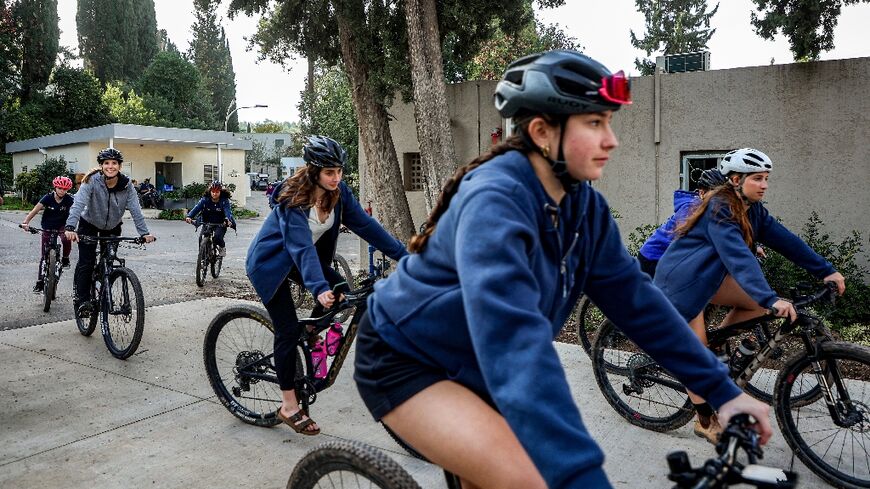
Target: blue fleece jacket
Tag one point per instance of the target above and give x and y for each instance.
(655, 245)
(285, 241)
(213, 212)
(694, 266)
(485, 299)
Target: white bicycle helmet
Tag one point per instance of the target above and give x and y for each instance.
(745, 160)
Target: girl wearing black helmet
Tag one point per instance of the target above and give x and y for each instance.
(712, 259)
(214, 208)
(297, 242)
(99, 205)
(456, 353)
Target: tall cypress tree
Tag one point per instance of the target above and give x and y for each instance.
(10, 53)
(210, 52)
(117, 38)
(672, 26)
(40, 37)
(147, 37)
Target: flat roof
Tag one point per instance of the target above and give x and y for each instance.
(132, 133)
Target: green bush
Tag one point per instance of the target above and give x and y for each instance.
(12, 203)
(193, 190)
(35, 183)
(172, 214)
(241, 212)
(853, 308)
(638, 237)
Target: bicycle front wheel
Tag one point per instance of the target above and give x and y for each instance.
(584, 321)
(831, 435)
(239, 362)
(216, 264)
(50, 286)
(340, 265)
(637, 387)
(349, 465)
(123, 313)
(202, 262)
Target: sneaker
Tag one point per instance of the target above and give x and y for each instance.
(222, 251)
(64, 262)
(713, 430)
(38, 287)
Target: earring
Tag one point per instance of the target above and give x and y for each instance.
(545, 150)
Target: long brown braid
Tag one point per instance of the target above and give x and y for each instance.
(735, 204)
(418, 242)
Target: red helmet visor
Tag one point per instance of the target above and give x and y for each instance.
(616, 88)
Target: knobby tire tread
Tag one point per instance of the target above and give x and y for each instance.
(358, 458)
(135, 295)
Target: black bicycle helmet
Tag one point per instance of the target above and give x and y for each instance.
(216, 185)
(556, 82)
(110, 154)
(324, 152)
(711, 178)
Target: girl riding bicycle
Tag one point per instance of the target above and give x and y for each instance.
(216, 209)
(712, 260)
(99, 206)
(456, 355)
(297, 242)
(57, 205)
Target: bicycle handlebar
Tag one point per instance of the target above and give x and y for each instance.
(827, 293)
(114, 239)
(34, 230)
(725, 470)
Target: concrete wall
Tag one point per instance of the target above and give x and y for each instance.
(812, 119)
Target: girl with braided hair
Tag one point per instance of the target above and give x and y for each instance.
(459, 339)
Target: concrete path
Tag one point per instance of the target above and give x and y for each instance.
(73, 416)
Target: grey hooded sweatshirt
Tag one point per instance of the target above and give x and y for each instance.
(104, 207)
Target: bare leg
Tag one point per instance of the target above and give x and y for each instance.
(435, 422)
(290, 406)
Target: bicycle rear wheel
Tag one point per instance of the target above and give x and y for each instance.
(347, 464)
(640, 390)
(202, 262)
(836, 450)
(584, 321)
(238, 356)
(123, 314)
(50, 281)
(89, 324)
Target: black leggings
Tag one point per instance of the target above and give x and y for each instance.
(88, 259)
(219, 233)
(287, 330)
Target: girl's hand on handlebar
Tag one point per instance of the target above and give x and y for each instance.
(148, 238)
(188, 220)
(72, 236)
(326, 299)
(757, 409)
(24, 226)
(838, 279)
(782, 308)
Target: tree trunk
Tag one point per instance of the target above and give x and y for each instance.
(437, 152)
(383, 173)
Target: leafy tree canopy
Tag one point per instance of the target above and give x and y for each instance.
(329, 112)
(126, 107)
(672, 27)
(267, 126)
(172, 88)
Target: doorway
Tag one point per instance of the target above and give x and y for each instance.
(167, 176)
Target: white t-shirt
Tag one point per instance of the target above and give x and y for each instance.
(318, 229)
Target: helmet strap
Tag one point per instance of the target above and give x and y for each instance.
(738, 187)
(559, 165)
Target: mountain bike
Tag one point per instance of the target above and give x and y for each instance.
(821, 395)
(351, 464)
(116, 299)
(239, 358)
(208, 255)
(50, 266)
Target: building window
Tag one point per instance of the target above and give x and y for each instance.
(209, 173)
(279, 143)
(693, 164)
(413, 172)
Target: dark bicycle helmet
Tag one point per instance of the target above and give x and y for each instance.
(216, 185)
(559, 82)
(324, 152)
(711, 178)
(110, 154)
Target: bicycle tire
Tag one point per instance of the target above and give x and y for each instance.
(202, 262)
(347, 462)
(216, 265)
(122, 336)
(849, 384)
(340, 265)
(237, 336)
(50, 281)
(88, 325)
(635, 386)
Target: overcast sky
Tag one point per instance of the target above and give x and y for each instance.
(600, 26)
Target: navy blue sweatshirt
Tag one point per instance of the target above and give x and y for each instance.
(694, 266)
(213, 212)
(485, 299)
(285, 241)
(684, 203)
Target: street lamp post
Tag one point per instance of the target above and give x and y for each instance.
(226, 124)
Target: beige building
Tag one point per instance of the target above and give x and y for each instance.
(812, 119)
(171, 156)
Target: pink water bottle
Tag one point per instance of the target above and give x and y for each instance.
(333, 339)
(318, 359)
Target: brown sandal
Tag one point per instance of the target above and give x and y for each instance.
(296, 423)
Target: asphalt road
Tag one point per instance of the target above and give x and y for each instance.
(165, 267)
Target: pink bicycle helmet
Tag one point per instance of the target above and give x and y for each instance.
(62, 182)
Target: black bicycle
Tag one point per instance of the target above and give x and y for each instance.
(50, 266)
(726, 469)
(116, 299)
(208, 255)
(239, 358)
(821, 392)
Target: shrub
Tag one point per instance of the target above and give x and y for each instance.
(37, 182)
(193, 190)
(172, 214)
(12, 203)
(638, 237)
(240, 212)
